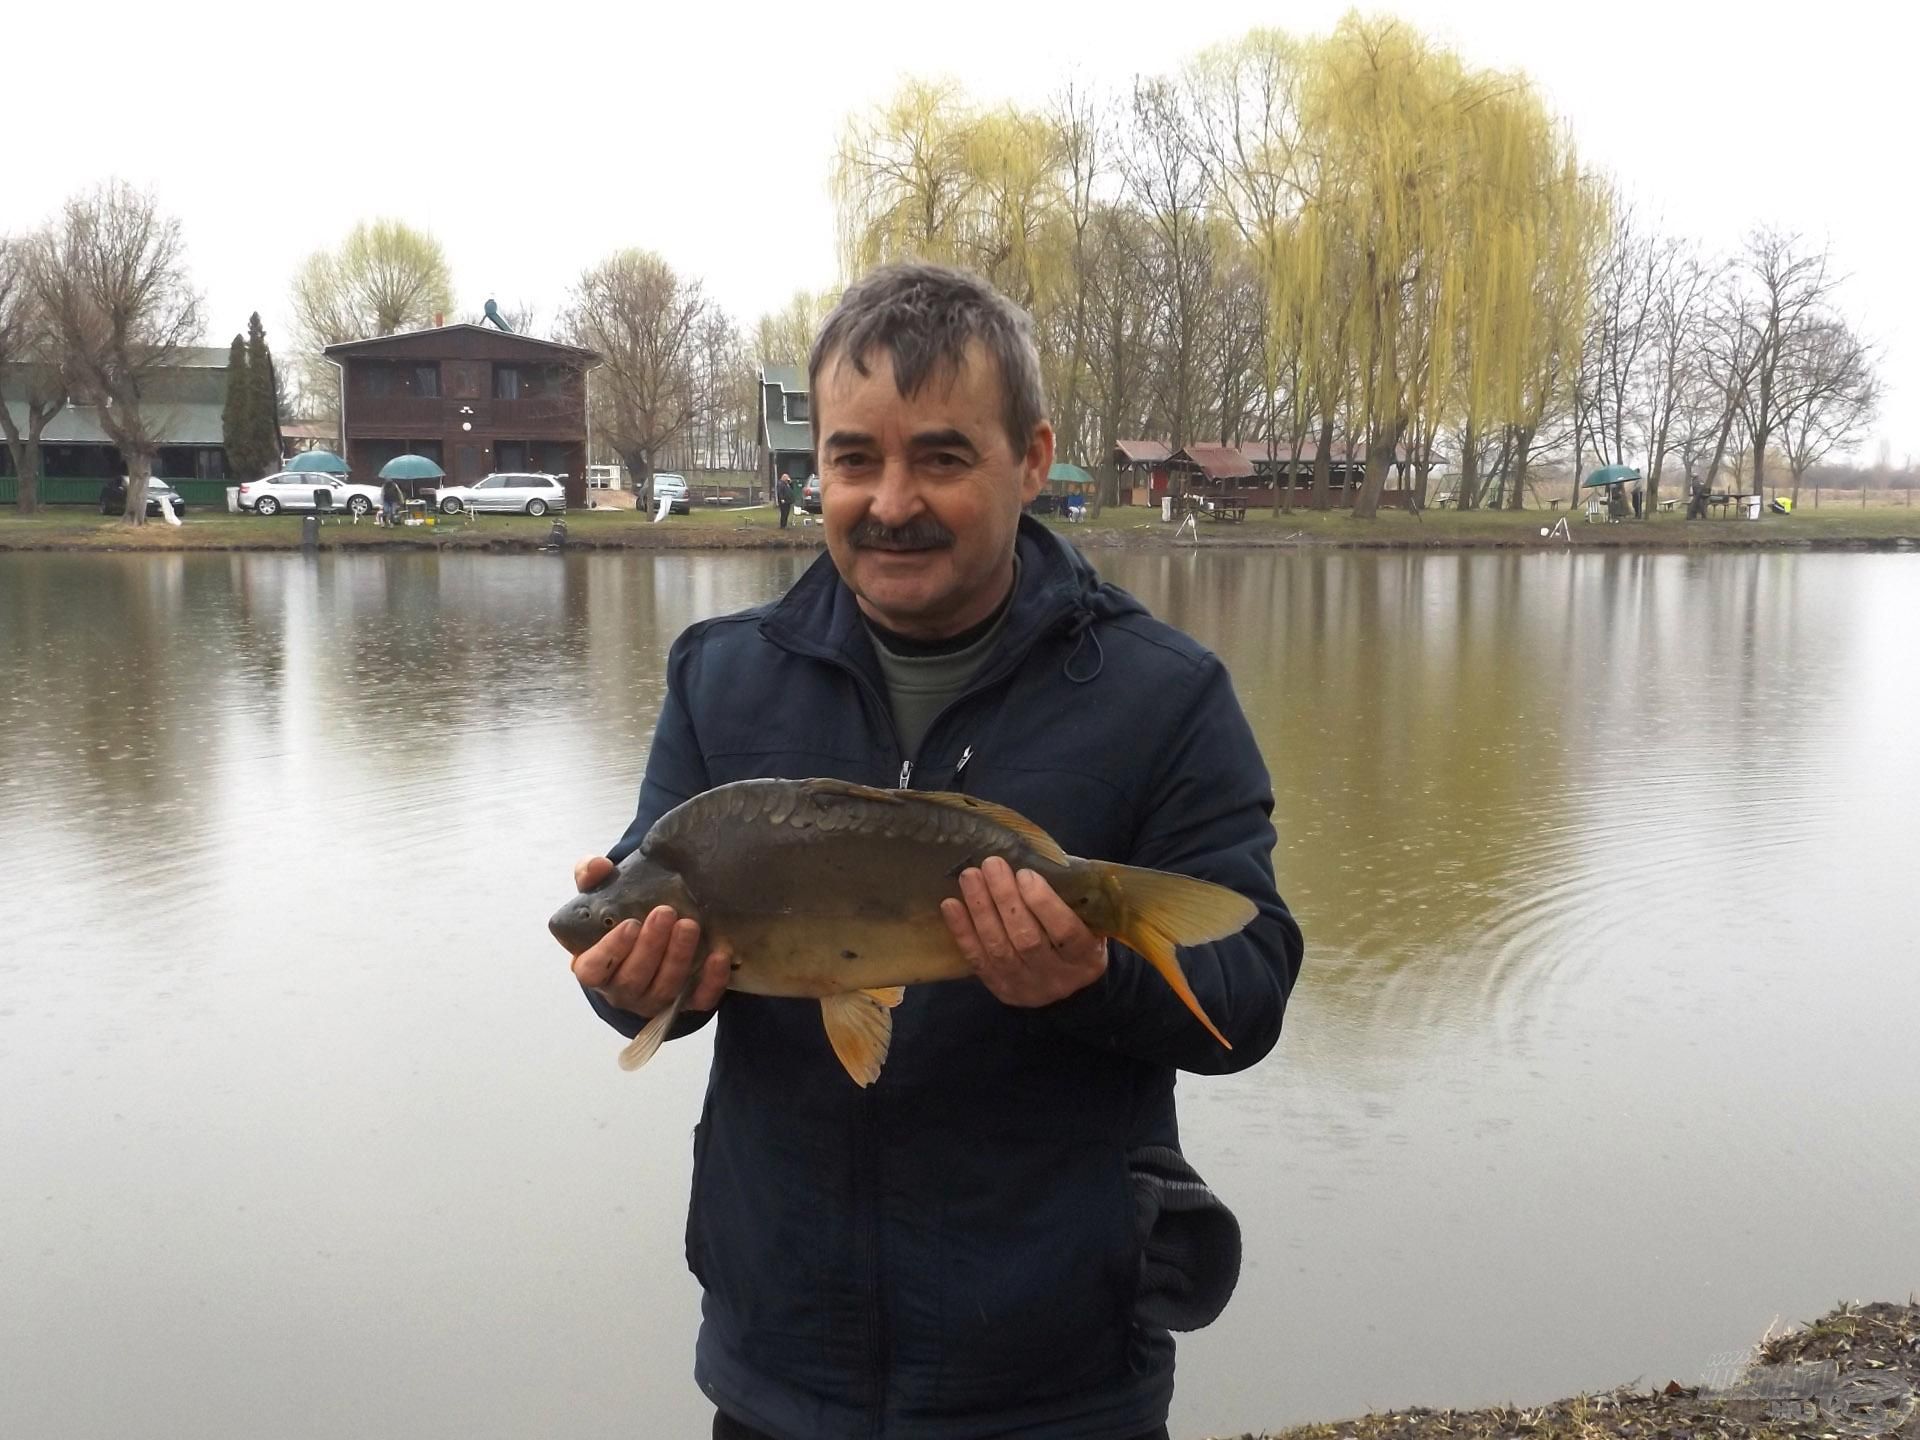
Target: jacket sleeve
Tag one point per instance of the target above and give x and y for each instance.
(1209, 814)
(676, 772)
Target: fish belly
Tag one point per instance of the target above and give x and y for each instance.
(816, 956)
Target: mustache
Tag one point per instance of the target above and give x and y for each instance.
(921, 533)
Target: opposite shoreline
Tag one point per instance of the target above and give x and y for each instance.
(1890, 528)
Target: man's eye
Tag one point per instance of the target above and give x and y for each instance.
(946, 460)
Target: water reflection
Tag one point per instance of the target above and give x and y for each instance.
(1604, 862)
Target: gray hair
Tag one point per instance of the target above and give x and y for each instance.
(926, 316)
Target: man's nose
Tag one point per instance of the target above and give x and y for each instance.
(896, 499)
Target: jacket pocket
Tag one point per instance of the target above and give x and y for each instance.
(695, 1240)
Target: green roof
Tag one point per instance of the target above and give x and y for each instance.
(191, 423)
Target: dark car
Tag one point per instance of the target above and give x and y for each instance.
(113, 497)
(810, 495)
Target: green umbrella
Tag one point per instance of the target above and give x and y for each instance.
(411, 467)
(1611, 475)
(319, 462)
(1065, 474)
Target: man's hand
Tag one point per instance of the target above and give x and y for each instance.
(1022, 940)
(641, 965)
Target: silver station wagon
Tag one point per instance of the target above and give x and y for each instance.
(518, 493)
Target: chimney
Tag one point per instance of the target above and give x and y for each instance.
(438, 319)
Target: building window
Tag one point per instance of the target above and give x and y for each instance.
(509, 455)
(551, 457)
(506, 382)
(796, 409)
(426, 381)
(377, 379)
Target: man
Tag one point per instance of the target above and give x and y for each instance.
(784, 494)
(958, 1250)
(1639, 499)
(392, 497)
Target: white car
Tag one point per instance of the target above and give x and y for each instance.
(294, 489)
(520, 494)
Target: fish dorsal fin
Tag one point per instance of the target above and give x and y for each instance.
(1044, 845)
(860, 1029)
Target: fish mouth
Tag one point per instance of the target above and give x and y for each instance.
(574, 926)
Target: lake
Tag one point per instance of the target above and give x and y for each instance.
(1602, 1061)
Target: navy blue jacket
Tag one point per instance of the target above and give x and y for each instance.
(951, 1254)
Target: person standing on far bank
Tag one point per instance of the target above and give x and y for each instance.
(783, 493)
(999, 1235)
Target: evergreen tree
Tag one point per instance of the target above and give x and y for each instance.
(263, 406)
(235, 413)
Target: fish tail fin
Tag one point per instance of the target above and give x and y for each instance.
(1162, 912)
(860, 1029)
(651, 1035)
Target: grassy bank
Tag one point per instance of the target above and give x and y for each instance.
(714, 528)
(1854, 1372)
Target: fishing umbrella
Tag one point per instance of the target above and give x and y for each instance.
(1065, 474)
(411, 467)
(318, 462)
(1610, 475)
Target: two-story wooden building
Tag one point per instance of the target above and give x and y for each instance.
(471, 398)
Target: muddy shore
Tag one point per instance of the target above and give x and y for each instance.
(1851, 1374)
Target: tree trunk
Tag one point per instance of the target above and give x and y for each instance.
(139, 470)
(1323, 467)
(1522, 454)
(26, 470)
(1469, 468)
(1380, 450)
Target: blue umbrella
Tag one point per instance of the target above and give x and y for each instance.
(318, 462)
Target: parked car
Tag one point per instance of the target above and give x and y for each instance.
(293, 490)
(665, 482)
(810, 495)
(527, 494)
(113, 497)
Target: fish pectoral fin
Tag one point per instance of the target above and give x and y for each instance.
(888, 995)
(860, 1029)
(651, 1035)
(1044, 845)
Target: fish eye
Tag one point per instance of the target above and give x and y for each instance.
(606, 922)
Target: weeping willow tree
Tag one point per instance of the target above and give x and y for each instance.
(1353, 237)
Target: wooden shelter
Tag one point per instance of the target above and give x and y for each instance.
(472, 398)
(1142, 469)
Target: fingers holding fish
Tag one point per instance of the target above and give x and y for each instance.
(1025, 943)
(590, 872)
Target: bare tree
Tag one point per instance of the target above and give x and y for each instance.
(644, 321)
(1682, 287)
(1169, 185)
(29, 368)
(1832, 392)
(111, 272)
(1791, 287)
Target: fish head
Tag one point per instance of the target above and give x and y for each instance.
(631, 892)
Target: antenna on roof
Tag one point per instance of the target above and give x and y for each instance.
(493, 314)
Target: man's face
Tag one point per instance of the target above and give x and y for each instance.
(921, 495)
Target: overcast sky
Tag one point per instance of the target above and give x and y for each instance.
(534, 138)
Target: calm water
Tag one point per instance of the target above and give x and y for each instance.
(1604, 1057)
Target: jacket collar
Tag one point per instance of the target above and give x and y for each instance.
(819, 615)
